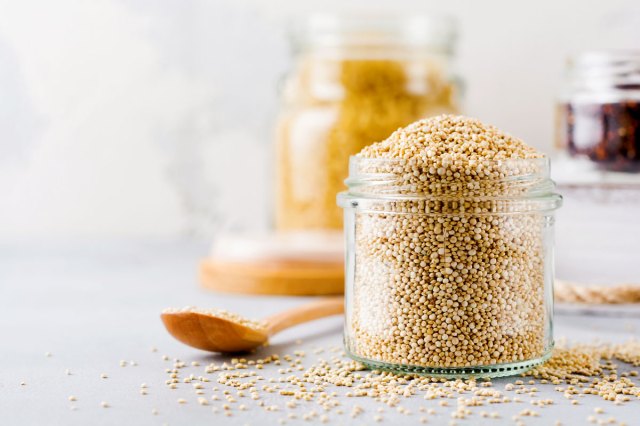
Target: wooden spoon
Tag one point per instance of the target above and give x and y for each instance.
(216, 334)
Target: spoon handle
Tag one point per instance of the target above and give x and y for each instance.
(322, 308)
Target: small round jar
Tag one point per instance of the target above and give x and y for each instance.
(449, 279)
(599, 111)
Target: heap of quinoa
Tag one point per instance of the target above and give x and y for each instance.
(450, 141)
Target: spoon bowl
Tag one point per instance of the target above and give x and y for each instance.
(215, 333)
(211, 333)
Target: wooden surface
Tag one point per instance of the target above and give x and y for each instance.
(272, 277)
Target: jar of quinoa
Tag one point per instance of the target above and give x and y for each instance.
(355, 79)
(449, 263)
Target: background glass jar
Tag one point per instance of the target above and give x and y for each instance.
(599, 111)
(453, 281)
(355, 80)
(597, 169)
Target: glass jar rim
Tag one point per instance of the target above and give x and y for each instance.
(534, 167)
(358, 158)
(524, 179)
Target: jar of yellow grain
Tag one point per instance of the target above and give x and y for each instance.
(449, 251)
(355, 80)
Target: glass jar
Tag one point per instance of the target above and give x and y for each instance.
(599, 112)
(451, 280)
(355, 80)
(597, 169)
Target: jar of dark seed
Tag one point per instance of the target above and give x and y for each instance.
(599, 111)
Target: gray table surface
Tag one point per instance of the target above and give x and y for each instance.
(93, 304)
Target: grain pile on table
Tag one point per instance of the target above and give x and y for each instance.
(447, 279)
(323, 385)
(318, 390)
(570, 292)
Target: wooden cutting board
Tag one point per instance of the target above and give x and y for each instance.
(298, 265)
(283, 278)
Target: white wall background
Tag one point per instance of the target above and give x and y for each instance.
(153, 117)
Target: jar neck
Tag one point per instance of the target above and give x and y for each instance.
(374, 36)
(497, 187)
(498, 179)
(374, 52)
(605, 71)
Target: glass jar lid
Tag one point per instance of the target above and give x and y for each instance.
(435, 33)
(605, 70)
